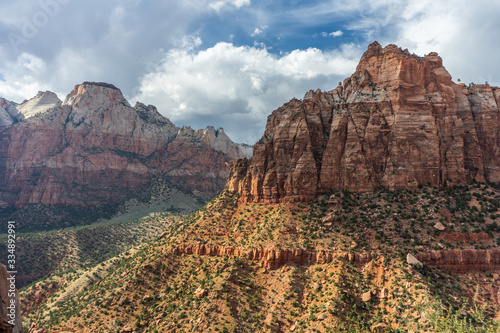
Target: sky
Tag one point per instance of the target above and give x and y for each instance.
(230, 63)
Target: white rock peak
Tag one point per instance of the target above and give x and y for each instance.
(42, 102)
(94, 96)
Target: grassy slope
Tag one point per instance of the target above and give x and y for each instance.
(157, 291)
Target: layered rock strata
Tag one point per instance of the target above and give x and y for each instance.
(397, 122)
(272, 258)
(462, 261)
(96, 148)
(42, 102)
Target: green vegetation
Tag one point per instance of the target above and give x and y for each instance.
(461, 321)
(201, 276)
(57, 251)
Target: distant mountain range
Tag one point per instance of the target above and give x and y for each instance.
(73, 162)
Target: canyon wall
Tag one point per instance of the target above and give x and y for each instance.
(95, 148)
(397, 122)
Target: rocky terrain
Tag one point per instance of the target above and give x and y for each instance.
(394, 260)
(39, 104)
(77, 161)
(374, 207)
(397, 122)
(9, 114)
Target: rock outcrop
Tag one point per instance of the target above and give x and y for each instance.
(11, 112)
(462, 261)
(96, 149)
(272, 258)
(397, 122)
(42, 102)
(8, 113)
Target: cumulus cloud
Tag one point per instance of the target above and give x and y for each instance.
(188, 42)
(259, 31)
(78, 43)
(22, 83)
(238, 86)
(465, 35)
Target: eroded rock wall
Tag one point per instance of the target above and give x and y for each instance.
(397, 122)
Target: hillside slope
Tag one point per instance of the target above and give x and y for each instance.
(333, 264)
(53, 252)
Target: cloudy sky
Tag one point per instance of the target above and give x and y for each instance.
(229, 63)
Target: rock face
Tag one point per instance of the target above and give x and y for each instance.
(272, 258)
(11, 112)
(397, 122)
(462, 261)
(8, 113)
(411, 260)
(95, 148)
(7, 315)
(42, 102)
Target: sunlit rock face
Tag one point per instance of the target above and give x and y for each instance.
(397, 122)
(96, 148)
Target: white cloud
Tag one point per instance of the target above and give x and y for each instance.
(337, 33)
(218, 5)
(257, 32)
(237, 87)
(465, 35)
(188, 42)
(111, 42)
(21, 77)
(260, 45)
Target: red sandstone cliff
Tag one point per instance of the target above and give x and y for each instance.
(95, 148)
(272, 258)
(397, 122)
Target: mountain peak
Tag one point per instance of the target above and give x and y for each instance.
(394, 67)
(43, 101)
(375, 50)
(94, 95)
(150, 114)
(398, 122)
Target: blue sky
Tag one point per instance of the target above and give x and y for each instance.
(229, 63)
